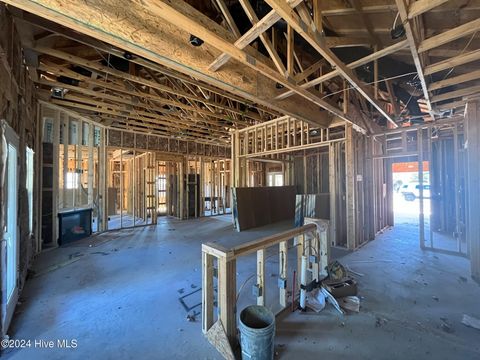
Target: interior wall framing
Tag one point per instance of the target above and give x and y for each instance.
(18, 110)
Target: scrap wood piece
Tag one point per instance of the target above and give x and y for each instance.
(470, 321)
(217, 337)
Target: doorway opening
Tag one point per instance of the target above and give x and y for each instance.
(407, 192)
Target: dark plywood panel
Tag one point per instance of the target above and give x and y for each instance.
(259, 206)
(316, 206)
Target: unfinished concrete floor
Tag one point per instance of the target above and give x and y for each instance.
(119, 299)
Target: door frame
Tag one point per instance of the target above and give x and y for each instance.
(9, 137)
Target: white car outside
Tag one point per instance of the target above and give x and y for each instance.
(411, 191)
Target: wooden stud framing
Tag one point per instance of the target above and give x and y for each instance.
(472, 132)
(227, 296)
(350, 186)
(90, 164)
(55, 173)
(207, 291)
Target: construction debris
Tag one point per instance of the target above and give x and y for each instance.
(336, 271)
(341, 289)
(329, 297)
(471, 321)
(316, 300)
(351, 303)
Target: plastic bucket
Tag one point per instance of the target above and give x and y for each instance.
(257, 332)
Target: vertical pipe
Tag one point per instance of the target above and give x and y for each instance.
(456, 185)
(261, 276)
(303, 281)
(421, 218)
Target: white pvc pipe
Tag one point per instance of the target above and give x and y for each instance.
(303, 281)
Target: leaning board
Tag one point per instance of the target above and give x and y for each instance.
(259, 206)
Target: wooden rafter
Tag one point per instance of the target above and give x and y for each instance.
(365, 60)
(461, 59)
(455, 80)
(228, 18)
(411, 38)
(419, 7)
(456, 93)
(449, 35)
(171, 14)
(311, 35)
(141, 81)
(250, 12)
(259, 28)
(155, 40)
(290, 51)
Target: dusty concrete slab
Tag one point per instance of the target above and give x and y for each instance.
(120, 299)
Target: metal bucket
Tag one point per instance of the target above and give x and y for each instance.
(257, 332)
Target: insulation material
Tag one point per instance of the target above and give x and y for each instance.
(128, 140)
(153, 142)
(141, 141)
(114, 138)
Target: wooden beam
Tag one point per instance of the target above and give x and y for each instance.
(227, 295)
(393, 99)
(228, 18)
(311, 35)
(147, 121)
(419, 7)
(472, 179)
(136, 101)
(130, 108)
(449, 35)
(346, 41)
(171, 14)
(387, 8)
(207, 292)
(120, 74)
(346, 11)
(130, 26)
(365, 60)
(309, 71)
(474, 75)
(452, 62)
(402, 9)
(57, 70)
(290, 50)
(317, 16)
(450, 106)
(147, 64)
(457, 93)
(263, 37)
(259, 28)
(350, 186)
